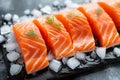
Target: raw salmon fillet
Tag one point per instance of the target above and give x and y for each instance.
(102, 25)
(56, 36)
(112, 7)
(32, 45)
(78, 27)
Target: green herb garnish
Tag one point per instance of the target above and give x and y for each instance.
(31, 33)
(98, 11)
(57, 26)
(72, 15)
(51, 20)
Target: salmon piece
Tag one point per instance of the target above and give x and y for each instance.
(55, 36)
(32, 45)
(112, 7)
(78, 27)
(102, 25)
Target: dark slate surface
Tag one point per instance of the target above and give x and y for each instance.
(18, 6)
(3, 70)
(106, 72)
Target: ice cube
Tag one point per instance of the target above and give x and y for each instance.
(11, 46)
(64, 60)
(116, 51)
(56, 3)
(27, 12)
(2, 39)
(15, 18)
(93, 55)
(13, 56)
(36, 13)
(5, 29)
(101, 52)
(73, 63)
(8, 16)
(15, 69)
(55, 65)
(47, 9)
(80, 55)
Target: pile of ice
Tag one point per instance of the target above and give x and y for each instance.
(13, 51)
(10, 43)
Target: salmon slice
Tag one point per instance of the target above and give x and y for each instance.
(78, 27)
(112, 7)
(102, 25)
(55, 35)
(32, 45)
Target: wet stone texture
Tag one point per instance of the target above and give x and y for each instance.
(90, 69)
(3, 70)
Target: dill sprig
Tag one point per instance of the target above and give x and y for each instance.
(51, 20)
(57, 26)
(98, 11)
(72, 15)
(31, 33)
